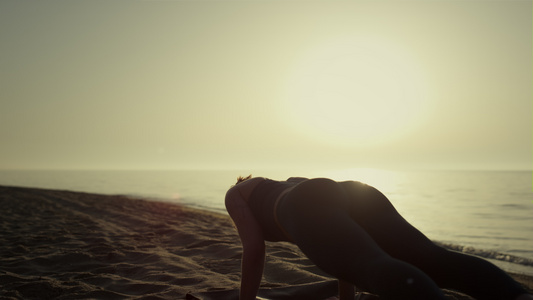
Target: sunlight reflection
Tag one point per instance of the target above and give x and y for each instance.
(384, 180)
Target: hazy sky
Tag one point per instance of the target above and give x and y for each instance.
(236, 84)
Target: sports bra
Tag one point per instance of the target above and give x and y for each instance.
(262, 203)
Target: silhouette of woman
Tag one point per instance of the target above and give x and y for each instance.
(351, 231)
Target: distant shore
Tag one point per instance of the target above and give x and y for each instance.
(68, 245)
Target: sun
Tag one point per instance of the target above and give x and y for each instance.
(355, 92)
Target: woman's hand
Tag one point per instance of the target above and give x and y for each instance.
(346, 290)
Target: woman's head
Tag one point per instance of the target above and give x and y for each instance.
(243, 179)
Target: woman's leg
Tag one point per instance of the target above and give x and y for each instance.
(315, 214)
(471, 275)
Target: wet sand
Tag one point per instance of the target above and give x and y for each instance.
(70, 245)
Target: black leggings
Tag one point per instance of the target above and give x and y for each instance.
(351, 231)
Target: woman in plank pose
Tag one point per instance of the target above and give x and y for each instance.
(351, 231)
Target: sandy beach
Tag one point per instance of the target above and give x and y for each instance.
(71, 245)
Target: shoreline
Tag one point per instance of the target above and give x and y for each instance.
(66, 245)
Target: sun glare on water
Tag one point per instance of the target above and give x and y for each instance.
(385, 180)
(355, 92)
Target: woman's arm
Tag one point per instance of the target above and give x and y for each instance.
(253, 243)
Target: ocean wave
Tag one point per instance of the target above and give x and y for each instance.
(488, 254)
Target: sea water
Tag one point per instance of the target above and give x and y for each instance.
(486, 213)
